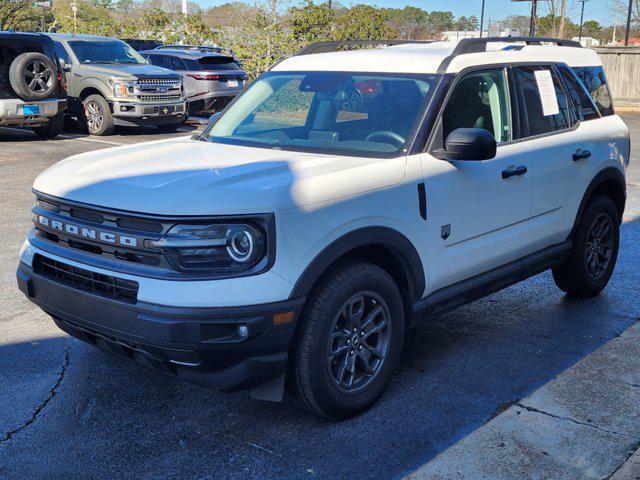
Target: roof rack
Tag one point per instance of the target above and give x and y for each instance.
(475, 45)
(325, 47)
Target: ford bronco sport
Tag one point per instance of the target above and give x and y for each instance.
(110, 84)
(344, 198)
(32, 90)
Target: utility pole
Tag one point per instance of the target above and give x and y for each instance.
(184, 7)
(581, 20)
(481, 18)
(626, 35)
(532, 22)
(74, 9)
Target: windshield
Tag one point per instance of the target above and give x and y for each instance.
(328, 112)
(108, 51)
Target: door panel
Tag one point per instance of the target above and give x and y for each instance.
(487, 216)
(480, 211)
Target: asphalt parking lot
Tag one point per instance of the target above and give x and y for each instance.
(70, 411)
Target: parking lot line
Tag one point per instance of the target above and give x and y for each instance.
(78, 137)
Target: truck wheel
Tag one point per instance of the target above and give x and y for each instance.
(348, 341)
(52, 128)
(33, 76)
(595, 250)
(96, 115)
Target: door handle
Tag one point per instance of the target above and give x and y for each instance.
(513, 171)
(581, 154)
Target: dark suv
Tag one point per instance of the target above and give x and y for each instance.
(32, 90)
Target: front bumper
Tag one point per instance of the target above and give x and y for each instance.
(197, 344)
(133, 114)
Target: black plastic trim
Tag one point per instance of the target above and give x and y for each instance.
(422, 200)
(606, 174)
(471, 289)
(400, 245)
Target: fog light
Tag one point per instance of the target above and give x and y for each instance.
(243, 331)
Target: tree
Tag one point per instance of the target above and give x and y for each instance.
(311, 22)
(518, 22)
(19, 15)
(591, 28)
(410, 22)
(362, 22)
(440, 22)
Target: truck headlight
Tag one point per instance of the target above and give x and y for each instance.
(123, 88)
(216, 248)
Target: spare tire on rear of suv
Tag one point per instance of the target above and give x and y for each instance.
(33, 76)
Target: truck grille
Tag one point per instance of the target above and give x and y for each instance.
(86, 280)
(159, 89)
(159, 97)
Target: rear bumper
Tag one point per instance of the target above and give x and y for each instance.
(199, 345)
(11, 111)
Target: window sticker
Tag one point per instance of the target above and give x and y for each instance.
(547, 93)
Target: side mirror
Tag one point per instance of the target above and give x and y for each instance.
(215, 116)
(468, 144)
(65, 66)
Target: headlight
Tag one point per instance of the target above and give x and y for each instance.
(123, 88)
(228, 247)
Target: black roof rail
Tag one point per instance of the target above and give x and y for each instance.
(333, 46)
(475, 45)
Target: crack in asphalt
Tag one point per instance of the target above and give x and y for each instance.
(585, 424)
(39, 408)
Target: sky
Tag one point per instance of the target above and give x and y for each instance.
(494, 9)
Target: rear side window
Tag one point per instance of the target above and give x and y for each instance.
(177, 63)
(546, 108)
(581, 98)
(595, 82)
(159, 60)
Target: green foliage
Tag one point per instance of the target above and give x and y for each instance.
(310, 22)
(21, 15)
(362, 22)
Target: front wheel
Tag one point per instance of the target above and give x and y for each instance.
(595, 250)
(96, 115)
(348, 342)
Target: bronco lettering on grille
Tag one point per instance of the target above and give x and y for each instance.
(89, 233)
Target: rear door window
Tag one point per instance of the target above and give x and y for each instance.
(586, 109)
(595, 82)
(545, 106)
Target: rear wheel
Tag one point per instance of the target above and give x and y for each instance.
(52, 128)
(348, 342)
(96, 115)
(595, 250)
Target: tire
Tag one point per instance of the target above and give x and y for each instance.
(321, 374)
(33, 76)
(595, 250)
(52, 128)
(96, 115)
(170, 127)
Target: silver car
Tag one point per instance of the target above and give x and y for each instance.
(211, 80)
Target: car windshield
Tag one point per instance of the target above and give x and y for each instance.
(327, 112)
(107, 51)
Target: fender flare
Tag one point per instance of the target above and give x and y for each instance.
(604, 175)
(399, 245)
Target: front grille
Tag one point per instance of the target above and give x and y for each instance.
(159, 97)
(86, 280)
(160, 80)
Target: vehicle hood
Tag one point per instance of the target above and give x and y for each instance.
(129, 71)
(191, 177)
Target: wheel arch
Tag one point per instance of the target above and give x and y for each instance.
(382, 246)
(610, 182)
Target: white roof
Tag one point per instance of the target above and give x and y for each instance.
(427, 58)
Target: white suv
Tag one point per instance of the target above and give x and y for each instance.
(342, 199)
